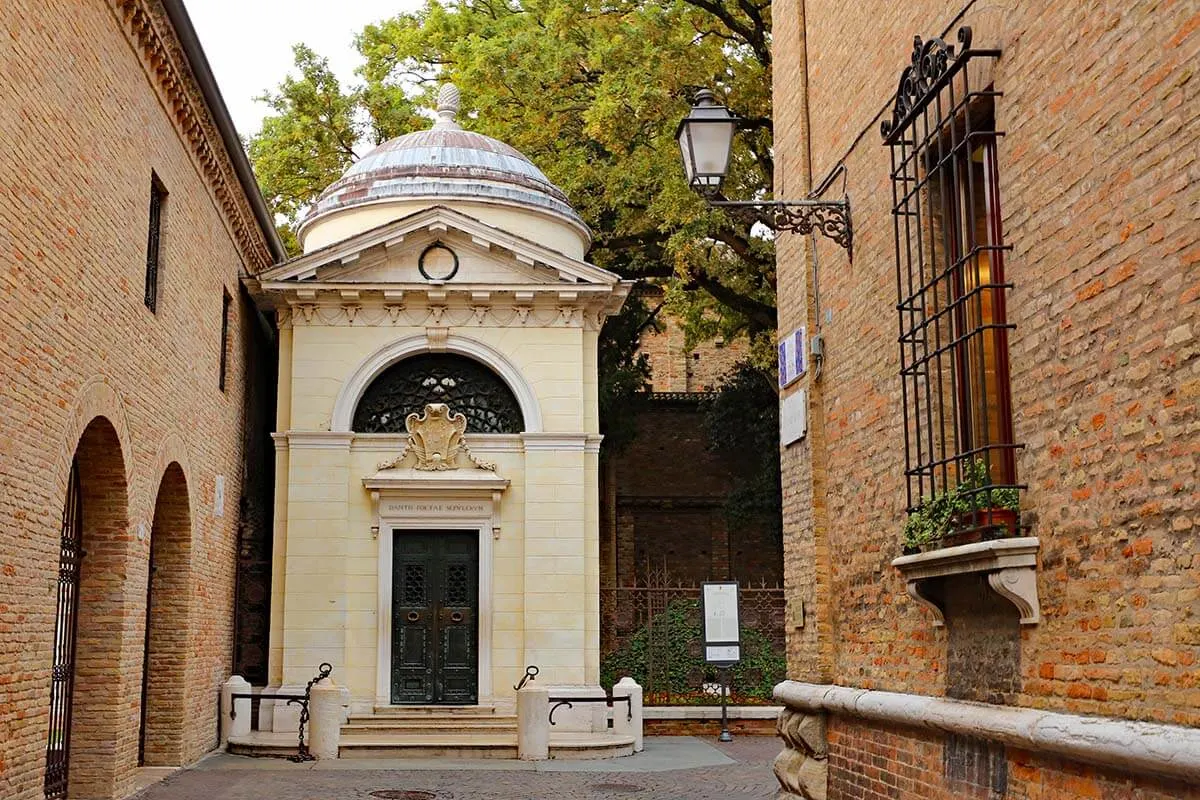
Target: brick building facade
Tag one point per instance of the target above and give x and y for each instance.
(109, 103)
(665, 490)
(1098, 193)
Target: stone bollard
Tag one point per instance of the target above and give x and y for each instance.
(325, 712)
(239, 724)
(533, 723)
(622, 724)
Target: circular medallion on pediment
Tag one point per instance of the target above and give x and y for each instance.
(438, 262)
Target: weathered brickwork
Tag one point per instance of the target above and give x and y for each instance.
(89, 370)
(1100, 191)
(675, 367)
(868, 763)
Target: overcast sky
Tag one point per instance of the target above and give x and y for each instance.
(249, 42)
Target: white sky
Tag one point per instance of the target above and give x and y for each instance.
(249, 42)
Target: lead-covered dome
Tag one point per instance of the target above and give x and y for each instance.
(441, 166)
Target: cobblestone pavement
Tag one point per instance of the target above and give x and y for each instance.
(740, 770)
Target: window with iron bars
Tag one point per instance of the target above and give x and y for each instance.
(158, 197)
(951, 288)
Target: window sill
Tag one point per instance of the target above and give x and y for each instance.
(1010, 566)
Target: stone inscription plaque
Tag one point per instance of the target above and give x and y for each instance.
(435, 508)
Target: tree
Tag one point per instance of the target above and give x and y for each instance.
(591, 92)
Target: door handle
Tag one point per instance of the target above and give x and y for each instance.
(456, 616)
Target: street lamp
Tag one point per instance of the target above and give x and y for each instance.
(705, 139)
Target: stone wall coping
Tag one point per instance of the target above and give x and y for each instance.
(1171, 751)
(710, 712)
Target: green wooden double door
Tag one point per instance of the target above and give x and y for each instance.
(435, 612)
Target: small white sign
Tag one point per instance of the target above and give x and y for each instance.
(722, 633)
(793, 417)
(219, 496)
(793, 357)
(722, 652)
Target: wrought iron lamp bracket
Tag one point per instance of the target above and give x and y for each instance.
(830, 218)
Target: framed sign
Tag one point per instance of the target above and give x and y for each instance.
(793, 357)
(722, 631)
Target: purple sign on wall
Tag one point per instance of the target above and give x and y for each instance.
(793, 357)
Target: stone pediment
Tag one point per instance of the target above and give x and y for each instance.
(439, 268)
(436, 247)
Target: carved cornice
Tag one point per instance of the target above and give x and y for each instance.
(585, 312)
(152, 36)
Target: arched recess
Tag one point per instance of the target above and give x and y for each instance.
(94, 735)
(370, 367)
(168, 603)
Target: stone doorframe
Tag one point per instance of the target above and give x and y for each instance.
(473, 508)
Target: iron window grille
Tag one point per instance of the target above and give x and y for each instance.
(158, 196)
(465, 385)
(950, 282)
(226, 304)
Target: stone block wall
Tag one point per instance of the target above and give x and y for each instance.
(97, 96)
(1099, 188)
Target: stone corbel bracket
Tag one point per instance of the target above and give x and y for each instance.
(1010, 566)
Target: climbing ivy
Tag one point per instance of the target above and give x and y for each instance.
(666, 656)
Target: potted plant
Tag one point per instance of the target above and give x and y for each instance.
(966, 510)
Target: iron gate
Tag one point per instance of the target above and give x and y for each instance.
(62, 674)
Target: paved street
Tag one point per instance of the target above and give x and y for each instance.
(671, 768)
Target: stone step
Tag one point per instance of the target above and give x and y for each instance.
(428, 746)
(429, 724)
(564, 747)
(434, 711)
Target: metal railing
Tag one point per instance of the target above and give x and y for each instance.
(302, 753)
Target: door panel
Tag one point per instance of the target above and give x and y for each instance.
(435, 592)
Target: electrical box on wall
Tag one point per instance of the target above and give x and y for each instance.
(793, 417)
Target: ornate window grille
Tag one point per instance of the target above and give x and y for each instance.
(950, 278)
(465, 385)
(158, 196)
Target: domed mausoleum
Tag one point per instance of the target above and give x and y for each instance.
(436, 504)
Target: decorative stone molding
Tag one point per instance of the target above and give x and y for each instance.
(1171, 751)
(802, 767)
(1010, 566)
(436, 438)
(152, 36)
(452, 312)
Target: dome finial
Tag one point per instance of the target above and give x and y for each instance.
(447, 108)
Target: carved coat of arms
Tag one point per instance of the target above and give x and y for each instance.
(436, 438)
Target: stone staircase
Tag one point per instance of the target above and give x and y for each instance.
(459, 732)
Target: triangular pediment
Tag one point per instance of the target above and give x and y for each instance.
(442, 247)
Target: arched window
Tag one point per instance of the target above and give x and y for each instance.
(464, 384)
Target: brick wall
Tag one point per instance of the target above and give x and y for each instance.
(676, 367)
(84, 126)
(1099, 189)
(869, 763)
(670, 493)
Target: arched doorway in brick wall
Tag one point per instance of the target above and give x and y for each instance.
(88, 694)
(168, 600)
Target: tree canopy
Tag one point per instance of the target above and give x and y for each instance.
(591, 91)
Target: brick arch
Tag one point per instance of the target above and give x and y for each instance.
(96, 399)
(168, 605)
(102, 743)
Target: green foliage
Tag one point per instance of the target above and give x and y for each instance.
(742, 424)
(678, 660)
(591, 92)
(936, 515)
